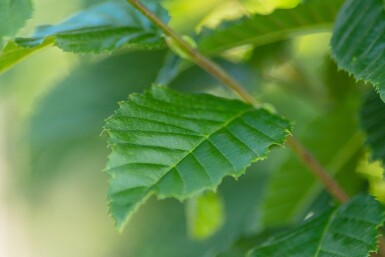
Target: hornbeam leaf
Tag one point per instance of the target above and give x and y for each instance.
(316, 15)
(101, 28)
(358, 41)
(178, 145)
(372, 118)
(348, 231)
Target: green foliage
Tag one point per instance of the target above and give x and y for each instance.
(101, 28)
(372, 118)
(13, 15)
(349, 231)
(312, 16)
(357, 41)
(205, 214)
(189, 144)
(158, 137)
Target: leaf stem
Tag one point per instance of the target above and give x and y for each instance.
(315, 167)
(304, 155)
(201, 60)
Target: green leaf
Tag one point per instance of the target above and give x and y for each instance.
(205, 214)
(348, 231)
(101, 28)
(358, 41)
(312, 16)
(372, 117)
(13, 15)
(104, 27)
(177, 145)
(13, 53)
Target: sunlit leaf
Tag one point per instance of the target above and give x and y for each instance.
(313, 16)
(205, 214)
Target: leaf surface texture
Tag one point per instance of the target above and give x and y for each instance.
(348, 231)
(176, 145)
(358, 41)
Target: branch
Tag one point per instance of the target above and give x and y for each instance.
(333, 188)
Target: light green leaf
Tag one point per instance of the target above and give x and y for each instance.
(101, 28)
(312, 16)
(358, 41)
(372, 119)
(348, 231)
(13, 53)
(13, 15)
(205, 214)
(177, 145)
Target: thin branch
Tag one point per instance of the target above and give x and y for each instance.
(197, 57)
(308, 159)
(215, 70)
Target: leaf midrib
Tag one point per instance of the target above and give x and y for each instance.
(204, 139)
(324, 233)
(272, 37)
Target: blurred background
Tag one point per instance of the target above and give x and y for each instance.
(52, 152)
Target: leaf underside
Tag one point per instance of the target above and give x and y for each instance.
(372, 118)
(316, 15)
(348, 231)
(358, 41)
(101, 28)
(177, 145)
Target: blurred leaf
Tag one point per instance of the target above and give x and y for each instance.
(357, 43)
(171, 68)
(167, 218)
(265, 7)
(159, 137)
(101, 28)
(332, 138)
(205, 214)
(338, 82)
(316, 15)
(372, 117)
(13, 15)
(348, 231)
(13, 53)
(73, 112)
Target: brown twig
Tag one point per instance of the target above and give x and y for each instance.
(215, 70)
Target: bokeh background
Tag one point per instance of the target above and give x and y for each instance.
(52, 152)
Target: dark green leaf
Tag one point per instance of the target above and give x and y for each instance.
(316, 15)
(358, 41)
(372, 118)
(176, 145)
(348, 231)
